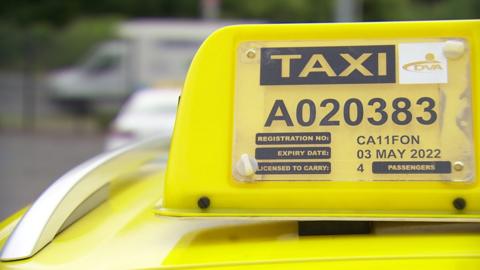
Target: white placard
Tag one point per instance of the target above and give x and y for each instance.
(422, 63)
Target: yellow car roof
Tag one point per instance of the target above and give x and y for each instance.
(124, 233)
(238, 148)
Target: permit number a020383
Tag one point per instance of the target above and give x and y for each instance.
(387, 110)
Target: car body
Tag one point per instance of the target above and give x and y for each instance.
(113, 212)
(124, 233)
(146, 112)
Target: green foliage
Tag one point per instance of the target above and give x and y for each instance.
(279, 10)
(61, 12)
(420, 9)
(43, 46)
(79, 37)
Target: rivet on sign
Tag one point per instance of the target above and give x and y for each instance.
(246, 165)
(458, 166)
(251, 53)
(203, 202)
(453, 49)
(459, 203)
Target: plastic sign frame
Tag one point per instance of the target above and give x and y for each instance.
(200, 179)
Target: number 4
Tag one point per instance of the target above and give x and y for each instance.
(360, 168)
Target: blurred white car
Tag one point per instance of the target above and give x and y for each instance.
(145, 52)
(147, 112)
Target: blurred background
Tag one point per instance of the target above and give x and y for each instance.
(80, 77)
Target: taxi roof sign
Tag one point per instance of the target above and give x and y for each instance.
(330, 121)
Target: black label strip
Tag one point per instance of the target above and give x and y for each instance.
(293, 138)
(293, 153)
(294, 168)
(411, 167)
(328, 65)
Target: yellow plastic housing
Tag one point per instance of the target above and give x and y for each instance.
(200, 162)
(123, 233)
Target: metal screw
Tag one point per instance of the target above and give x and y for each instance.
(246, 165)
(251, 53)
(453, 49)
(203, 202)
(458, 166)
(459, 203)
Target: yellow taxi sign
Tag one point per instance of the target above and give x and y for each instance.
(366, 120)
(353, 110)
